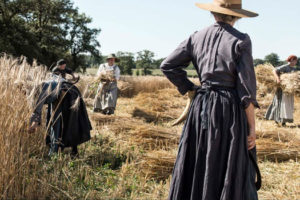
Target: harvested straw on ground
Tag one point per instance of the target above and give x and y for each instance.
(276, 151)
(134, 132)
(160, 106)
(157, 164)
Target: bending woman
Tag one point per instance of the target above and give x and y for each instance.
(216, 157)
(282, 108)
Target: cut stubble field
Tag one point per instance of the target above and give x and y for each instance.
(132, 153)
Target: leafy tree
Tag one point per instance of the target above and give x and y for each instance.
(94, 60)
(46, 30)
(126, 63)
(15, 38)
(191, 66)
(157, 63)
(48, 21)
(82, 39)
(273, 58)
(258, 61)
(145, 61)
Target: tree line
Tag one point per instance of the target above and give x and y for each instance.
(47, 30)
(273, 59)
(145, 61)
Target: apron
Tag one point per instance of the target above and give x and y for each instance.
(107, 95)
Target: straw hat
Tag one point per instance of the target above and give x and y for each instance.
(227, 7)
(113, 56)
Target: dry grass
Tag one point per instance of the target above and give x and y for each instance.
(277, 151)
(16, 145)
(135, 133)
(280, 180)
(162, 106)
(130, 87)
(264, 74)
(265, 79)
(157, 164)
(131, 154)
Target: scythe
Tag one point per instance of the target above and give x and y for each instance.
(183, 116)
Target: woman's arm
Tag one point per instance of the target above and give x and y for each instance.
(251, 122)
(277, 77)
(173, 65)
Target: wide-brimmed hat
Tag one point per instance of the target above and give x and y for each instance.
(227, 7)
(113, 56)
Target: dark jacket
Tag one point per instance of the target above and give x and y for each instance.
(76, 125)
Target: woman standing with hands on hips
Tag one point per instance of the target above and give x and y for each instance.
(216, 157)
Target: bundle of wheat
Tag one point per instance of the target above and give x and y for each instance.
(264, 74)
(161, 106)
(278, 135)
(100, 119)
(266, 83)
(290, 82)
(126, 89)
(154, 138)
(277, 151)
(135, 85)
(157, 164)
(265, 79)
(134, 132)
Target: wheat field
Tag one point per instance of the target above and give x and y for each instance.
(131, 153)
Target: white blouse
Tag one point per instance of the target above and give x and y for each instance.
(107, 68)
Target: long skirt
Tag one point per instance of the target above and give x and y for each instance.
(282, 108)
(107, 95)
(213, 162)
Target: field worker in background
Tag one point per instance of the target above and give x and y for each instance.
(61, 69)
(67, 123)
(282, 108)
(217, 155)
(107, 92)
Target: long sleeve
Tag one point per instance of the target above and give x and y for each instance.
(100, 69)
(173, 65)
(48, 95)
(246, 80)
(283, 69)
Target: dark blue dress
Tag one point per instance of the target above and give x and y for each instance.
(213, 161)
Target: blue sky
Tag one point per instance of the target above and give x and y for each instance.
(160, 25)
